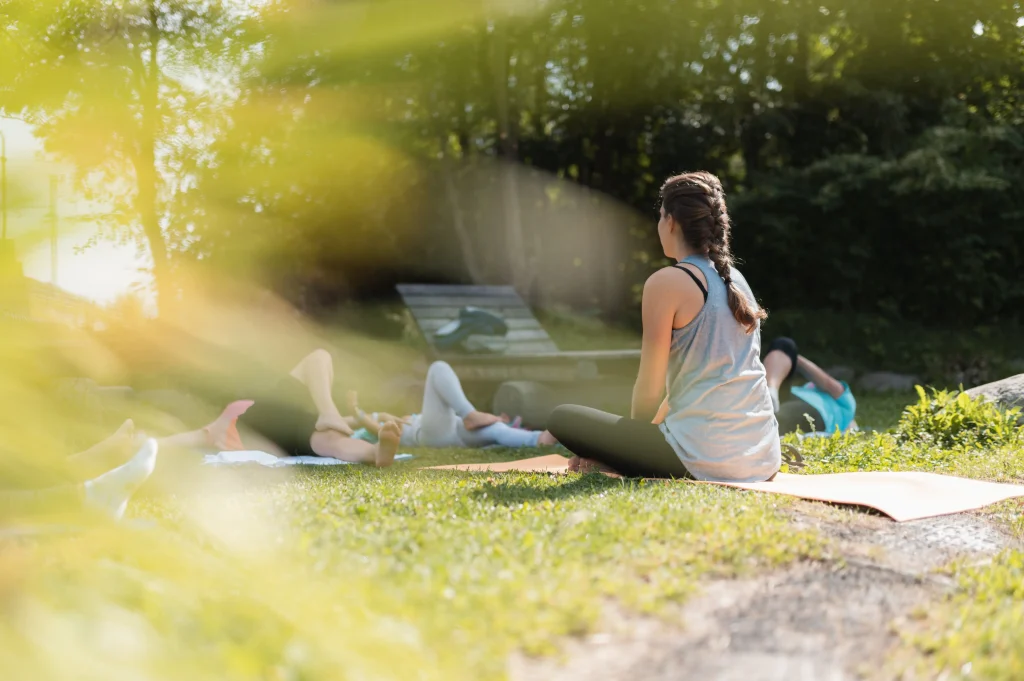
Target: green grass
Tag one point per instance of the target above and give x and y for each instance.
(349, 572)
(401, 573)
(882, 452)
(574, 331)
(881, 411)
(976, 632)
(892, 445)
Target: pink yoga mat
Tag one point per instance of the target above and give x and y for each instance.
(901, 496)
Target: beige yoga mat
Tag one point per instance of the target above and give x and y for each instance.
(901, 496)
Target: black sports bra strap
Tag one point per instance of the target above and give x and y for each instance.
(696, 279)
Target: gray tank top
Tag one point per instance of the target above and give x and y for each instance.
(720, 419)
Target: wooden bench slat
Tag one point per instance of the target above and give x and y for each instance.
(413, 290)
(465, 301)
(514, 324)
(530, 347)
(434, 305)
(524, 336)
(452, 313)
(559, 357)
(431, 326)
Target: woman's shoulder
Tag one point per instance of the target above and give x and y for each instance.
(671, 274)
(662, 273)
(669, 282)
(660, 281)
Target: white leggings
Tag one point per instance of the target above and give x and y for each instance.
(445, 405)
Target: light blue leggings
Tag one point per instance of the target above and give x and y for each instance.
(445, 405)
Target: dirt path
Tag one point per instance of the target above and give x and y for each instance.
(829, 621)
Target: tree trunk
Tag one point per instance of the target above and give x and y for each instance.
(146, 171)
(508, 141)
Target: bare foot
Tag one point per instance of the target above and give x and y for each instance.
(478, 419)
(578, 464)
(222, 434)
(333, 422)
(546, 439)
(387, 444)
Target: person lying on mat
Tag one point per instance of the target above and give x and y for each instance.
(449, 419)
(107, 493)
(297, 416)
(110, 480)
(822, 405)
(701, 340)
(112, 474)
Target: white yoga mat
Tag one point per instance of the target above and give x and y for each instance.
(270, 461)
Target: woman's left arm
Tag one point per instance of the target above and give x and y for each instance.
(659, 310)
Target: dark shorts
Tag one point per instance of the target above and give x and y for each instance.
(284, 414)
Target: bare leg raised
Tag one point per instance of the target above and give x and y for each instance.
(316, 372)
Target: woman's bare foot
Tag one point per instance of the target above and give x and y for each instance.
(476, 420)
(577, 464)
(333, 421)
(387, 444)
(546, 439)
(222, 434)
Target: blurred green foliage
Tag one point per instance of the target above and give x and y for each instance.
(872, 149)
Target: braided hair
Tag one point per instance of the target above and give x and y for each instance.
(696, 201)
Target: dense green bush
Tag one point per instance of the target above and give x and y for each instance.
(954, 419)
(934, 234)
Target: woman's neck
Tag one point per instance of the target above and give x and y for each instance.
(683, 252)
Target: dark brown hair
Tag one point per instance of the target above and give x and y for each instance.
(696, 201)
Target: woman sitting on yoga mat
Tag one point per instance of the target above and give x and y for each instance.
(448, 419)
(701, 341)
(823, 405)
